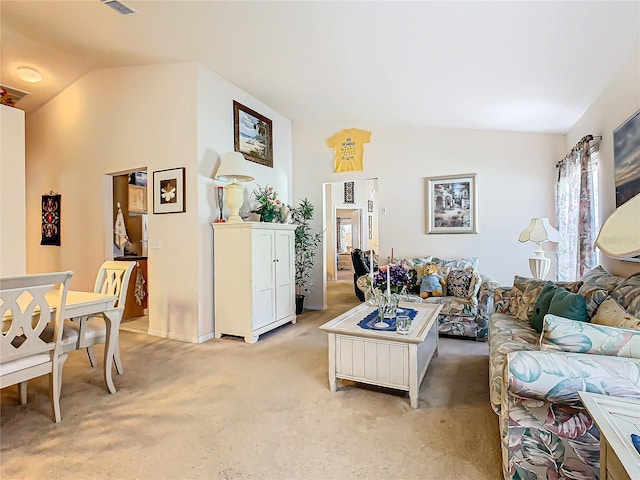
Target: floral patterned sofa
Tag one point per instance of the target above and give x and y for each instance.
(535, 378)
(466, 315)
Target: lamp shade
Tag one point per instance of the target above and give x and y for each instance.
(540, 230)
(619, 237)
(233, 168)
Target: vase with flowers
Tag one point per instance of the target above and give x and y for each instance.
(268, 206)
(398, 278)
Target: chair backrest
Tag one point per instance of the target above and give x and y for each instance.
(25, 309)
(360, 266)
(113, 279)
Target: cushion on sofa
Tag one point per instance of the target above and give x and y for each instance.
(611, 314)
(568, 305)
(541, 307)
(525, 293)
(597, 284)
(627, 295)
(462, 307)
(445, 265)
(458, 282)
(566, 335)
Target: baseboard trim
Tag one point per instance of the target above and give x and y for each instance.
(181, 338)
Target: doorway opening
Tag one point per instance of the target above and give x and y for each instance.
(350, 222)
(130, 241)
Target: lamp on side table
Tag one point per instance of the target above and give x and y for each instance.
(539, 231)
(233, 168)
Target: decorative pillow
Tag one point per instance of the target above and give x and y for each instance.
(474, 288)
(459, 282)
(568, 305)
(611, 314)
(599, 277)
(445, 265)
(525, 294)
(597, 285)
(562, 334)
(627, 295)
(541, 307)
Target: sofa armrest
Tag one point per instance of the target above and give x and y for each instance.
(557, 377)
(486, 297)
(565, 335)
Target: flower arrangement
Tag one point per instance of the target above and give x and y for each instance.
(398, 278)
(268, 206)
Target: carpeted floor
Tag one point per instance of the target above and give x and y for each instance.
(228, 410)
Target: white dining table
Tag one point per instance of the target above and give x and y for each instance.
(80, 304)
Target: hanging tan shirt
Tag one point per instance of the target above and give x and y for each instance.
(348, 145)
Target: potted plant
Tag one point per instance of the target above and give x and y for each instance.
(306, 244)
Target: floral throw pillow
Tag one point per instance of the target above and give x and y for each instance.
(627, 295)
(459, 282)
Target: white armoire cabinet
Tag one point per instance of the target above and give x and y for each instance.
(253, 278)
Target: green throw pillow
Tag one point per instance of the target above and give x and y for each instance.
(541, 307)
(569, 305)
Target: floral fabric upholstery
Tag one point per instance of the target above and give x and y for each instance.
(458, 283)
(535, 380)
(565, 335)
(466, 316)
(526, 292)
(627, 295)
(506, 334)
(545, 431)
(597, 284)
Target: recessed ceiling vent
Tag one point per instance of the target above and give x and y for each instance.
(119, 7)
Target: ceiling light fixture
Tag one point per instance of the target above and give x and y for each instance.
(29, 75)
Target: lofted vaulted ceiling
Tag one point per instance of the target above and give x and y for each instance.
(523, 66)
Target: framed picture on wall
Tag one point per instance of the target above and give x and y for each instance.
(252, 135)
(451, 204)
(626, 158)
(169, 191)
(370, 206)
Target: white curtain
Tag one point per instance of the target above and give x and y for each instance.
(577, 211)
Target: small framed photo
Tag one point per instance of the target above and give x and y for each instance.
(169, 191)
(252, 135)
(451, 204)
(370, 206)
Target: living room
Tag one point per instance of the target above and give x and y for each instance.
(166, 115)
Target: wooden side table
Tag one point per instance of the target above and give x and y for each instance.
(617, 418)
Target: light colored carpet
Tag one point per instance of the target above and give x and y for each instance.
(228, 410)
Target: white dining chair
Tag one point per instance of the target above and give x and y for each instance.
(85, 332)
(26, 312)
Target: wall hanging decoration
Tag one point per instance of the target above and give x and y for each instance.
(452, 205)
(349, 196)
(252, 135)
(348, 148)
(51, 219)
(626, 148)
(370, 206)
(169, 191)
(370, 227)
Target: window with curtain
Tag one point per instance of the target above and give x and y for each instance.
(577, 210)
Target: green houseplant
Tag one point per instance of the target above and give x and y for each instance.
(306, 247)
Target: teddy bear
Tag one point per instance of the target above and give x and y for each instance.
(431, 284)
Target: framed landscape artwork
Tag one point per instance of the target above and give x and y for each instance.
(451, 204)
(626, 147)
(169, 191)
(252, 135)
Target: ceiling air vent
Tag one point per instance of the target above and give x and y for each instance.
(119, 7)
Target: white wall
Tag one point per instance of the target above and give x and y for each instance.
(215, 137)
(13, 256)
(516, 179)
(612, 107)
(119, 119)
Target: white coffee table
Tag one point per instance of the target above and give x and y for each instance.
(617, 418)
(384, 358)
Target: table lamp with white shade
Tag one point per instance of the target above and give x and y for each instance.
(234, 168)
(539, 231)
